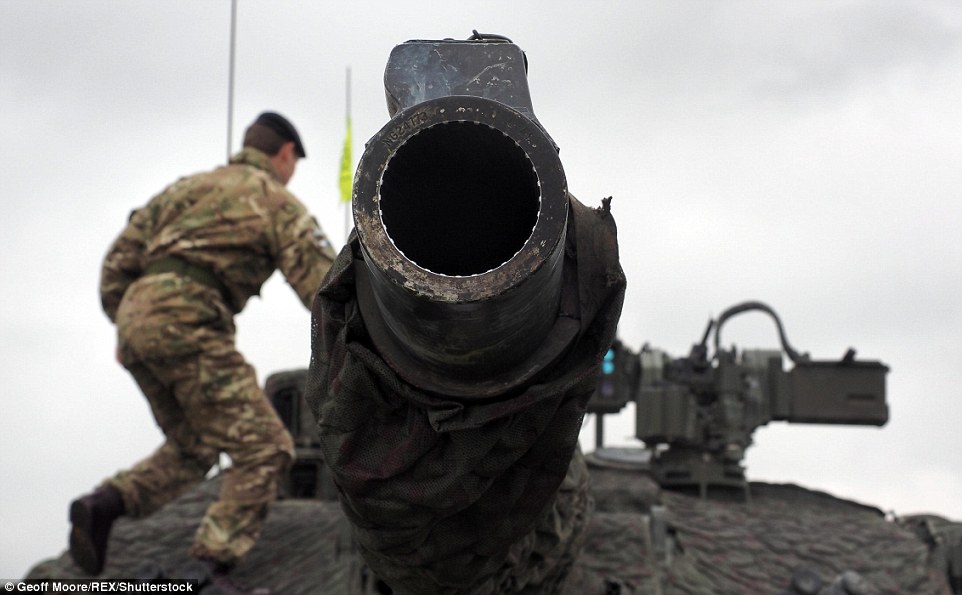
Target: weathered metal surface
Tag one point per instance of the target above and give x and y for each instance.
(460, 205)
(485, 66)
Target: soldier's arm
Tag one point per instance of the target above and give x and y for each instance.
(123, 263)
(304, 253)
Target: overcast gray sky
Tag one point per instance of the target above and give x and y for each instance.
(805, 154)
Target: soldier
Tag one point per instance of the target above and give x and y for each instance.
(173, 280)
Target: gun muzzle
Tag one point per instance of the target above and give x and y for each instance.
(461, 208)
(458, 335)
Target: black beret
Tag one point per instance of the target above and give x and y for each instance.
(284, 128)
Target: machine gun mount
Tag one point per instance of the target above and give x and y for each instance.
(697, 414)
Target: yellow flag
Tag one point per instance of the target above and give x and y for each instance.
(346, 181)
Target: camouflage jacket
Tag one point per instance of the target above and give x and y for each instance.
(238, 222)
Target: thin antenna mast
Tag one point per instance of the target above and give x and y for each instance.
(230, 84)
(347, 148)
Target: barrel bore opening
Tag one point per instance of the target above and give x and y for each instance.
(459, 198)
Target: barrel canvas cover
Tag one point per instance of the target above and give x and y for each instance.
(457, 495)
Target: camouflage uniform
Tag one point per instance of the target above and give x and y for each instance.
(225, 232)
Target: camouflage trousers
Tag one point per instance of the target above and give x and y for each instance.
(206, 403)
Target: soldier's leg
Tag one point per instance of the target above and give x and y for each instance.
(234, 415)
(182, 460)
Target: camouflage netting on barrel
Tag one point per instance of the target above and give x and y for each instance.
(455, 493)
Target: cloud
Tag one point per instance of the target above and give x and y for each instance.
(807, 155)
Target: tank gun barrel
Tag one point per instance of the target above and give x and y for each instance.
(459, 334)
(460, 207)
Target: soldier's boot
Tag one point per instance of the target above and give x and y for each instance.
(91, 517)
(217, 582)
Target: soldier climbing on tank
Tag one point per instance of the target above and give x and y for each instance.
(173, 280)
